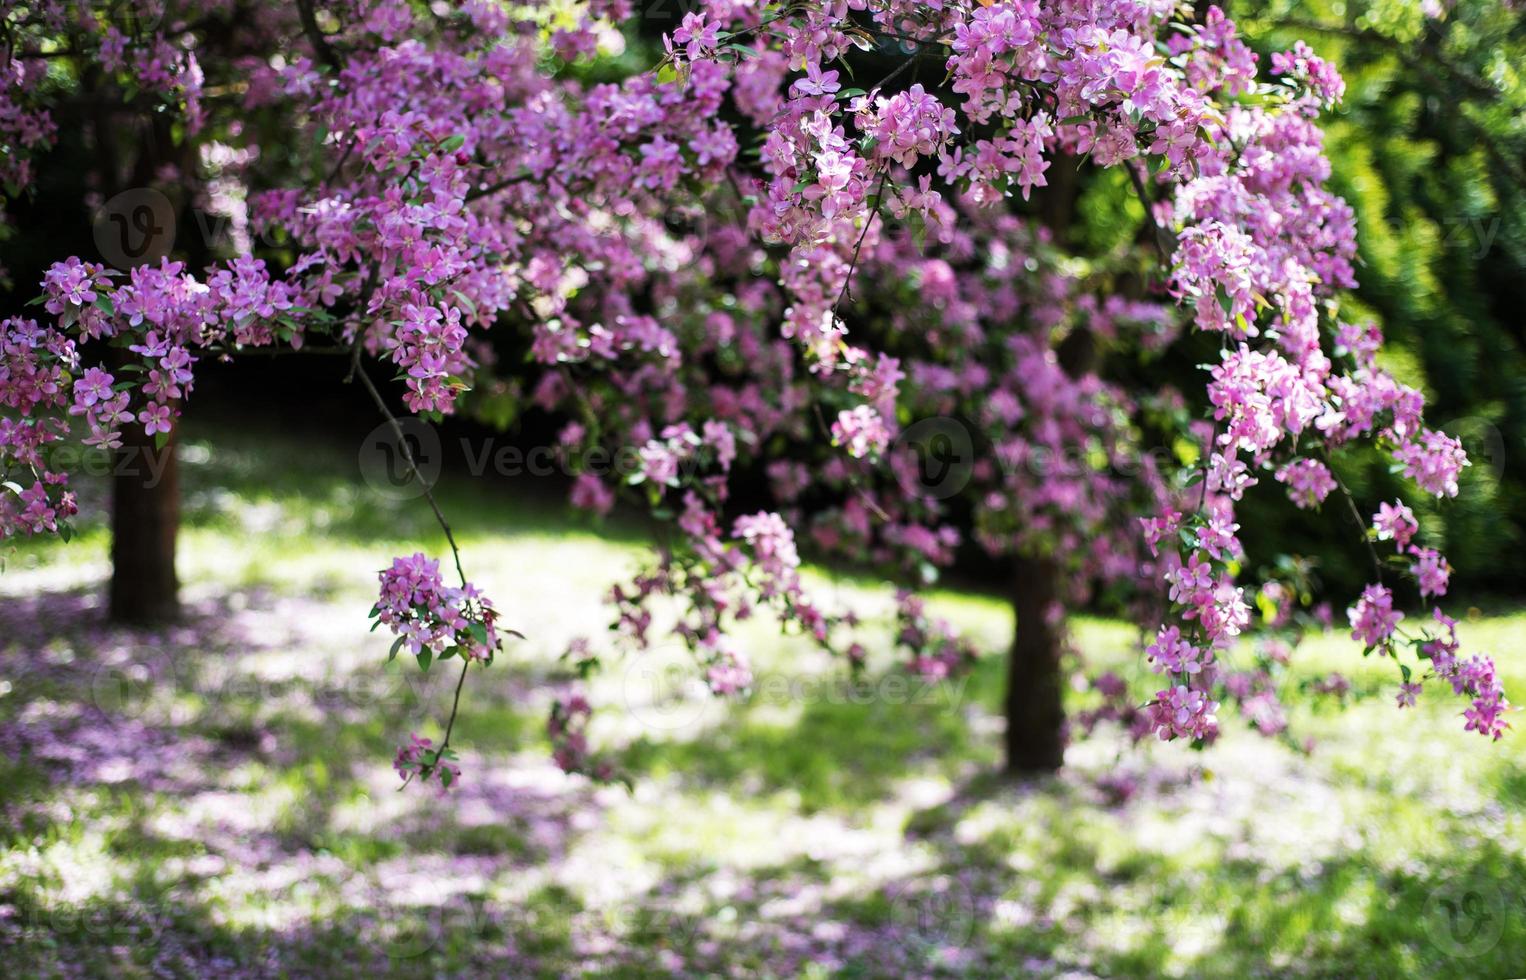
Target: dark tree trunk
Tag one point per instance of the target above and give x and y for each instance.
(1035, 712)
(145, 515)
(1035, 692)
(145, 499)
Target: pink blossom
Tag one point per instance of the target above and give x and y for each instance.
(1373, 618)
(1181, 712)
(1395, 522)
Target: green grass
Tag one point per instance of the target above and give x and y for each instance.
(252, 822)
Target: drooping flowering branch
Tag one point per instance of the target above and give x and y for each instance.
(460, 191)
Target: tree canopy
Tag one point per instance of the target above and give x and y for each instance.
(784, 244)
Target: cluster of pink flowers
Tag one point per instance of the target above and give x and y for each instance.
(1302, 64)
(727, 670)
(1308, 480)
(1434, 461)
(1395, 522)
(431, 619)
(662, 459)
(429, 344)
(1374, 618)
(906, 126)
(1171, 654)
(936, 650)
(419, 759)
(772, 544)
(862, 430)
(35, 362)
(1474, 678)
(1182, 712)
(567, 728)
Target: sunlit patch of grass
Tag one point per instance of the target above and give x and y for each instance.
(776, 835)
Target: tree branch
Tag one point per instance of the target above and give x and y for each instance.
(315, 36)
(1162, 239)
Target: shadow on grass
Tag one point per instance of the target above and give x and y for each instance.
(169, 794)
(186, 822)
(154, 931)
(832, 752)
(970, 913)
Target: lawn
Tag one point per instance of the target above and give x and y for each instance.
(217, 798)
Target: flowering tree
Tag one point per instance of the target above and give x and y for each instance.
(446, 177)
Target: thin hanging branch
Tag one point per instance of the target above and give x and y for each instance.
(1356, 516)
(357, 370)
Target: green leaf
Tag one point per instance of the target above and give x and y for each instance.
(466, 303)
(453, 144)
(426, 657)
(397, 645)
